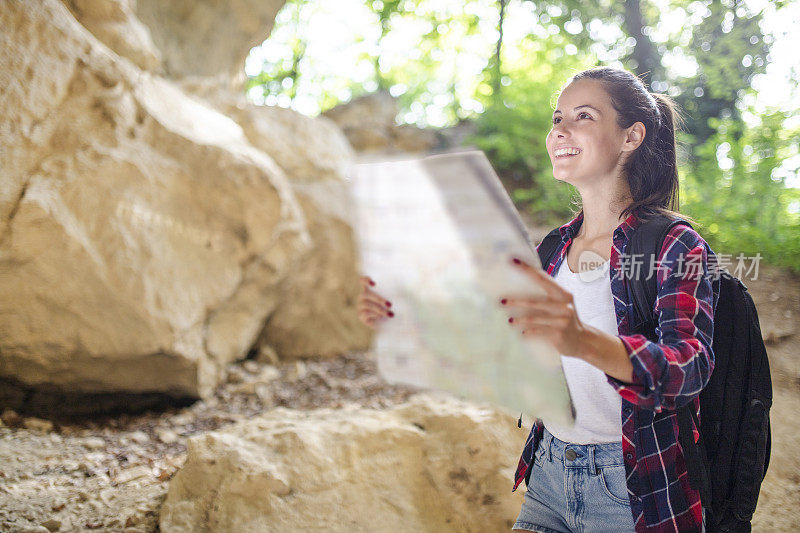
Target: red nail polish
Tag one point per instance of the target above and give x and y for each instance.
(372, 283)
(503, 301)
(517, 261)
(388, 303)
(391, 314)
(511, 320)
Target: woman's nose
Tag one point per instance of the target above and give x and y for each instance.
(559, 129)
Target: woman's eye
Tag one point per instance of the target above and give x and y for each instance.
(556, 119)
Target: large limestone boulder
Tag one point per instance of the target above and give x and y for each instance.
(432, 464)
(315, 153)
(207, 38)
(316, 156)
(369, 124)
(145, 242)
(114, 23)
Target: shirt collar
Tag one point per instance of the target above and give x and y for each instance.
(570, 229)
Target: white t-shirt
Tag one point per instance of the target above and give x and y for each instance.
(597, 405)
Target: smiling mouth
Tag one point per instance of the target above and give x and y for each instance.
(564, 153)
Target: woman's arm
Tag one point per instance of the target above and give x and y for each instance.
(669, 373)
(606, 352)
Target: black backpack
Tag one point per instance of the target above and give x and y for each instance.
(735, 434)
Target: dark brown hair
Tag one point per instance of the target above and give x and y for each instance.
(652, 169)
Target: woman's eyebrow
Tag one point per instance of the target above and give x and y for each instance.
(580, 106)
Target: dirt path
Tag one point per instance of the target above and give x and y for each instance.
(777, 297)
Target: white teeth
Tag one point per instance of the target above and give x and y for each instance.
(565, 151)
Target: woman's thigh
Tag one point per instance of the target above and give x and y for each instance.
(544, 506)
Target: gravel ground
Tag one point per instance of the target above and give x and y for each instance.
(111, 474)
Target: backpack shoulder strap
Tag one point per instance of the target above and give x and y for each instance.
(548, 246)
(646, 243)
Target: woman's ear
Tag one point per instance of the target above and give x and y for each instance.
(635, 137)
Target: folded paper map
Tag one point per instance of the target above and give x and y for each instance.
(437, 234)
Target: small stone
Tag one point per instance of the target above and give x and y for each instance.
(268, 374)
(11, 418)
(264, 392)
(183, 418)
(140, 437)
(248, 387)
(267, 354)
(132, 520)
(135, 472)
(37, 424)
(297, 372)
(251, 366)
(234, 375)
(93, 443)
(67, 431)
(52, 524)
(166, 436)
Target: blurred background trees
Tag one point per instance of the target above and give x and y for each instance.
(498, 64)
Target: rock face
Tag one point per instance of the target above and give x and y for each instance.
(207, 38)
(431, 464)
(114, 23)
(147, 238)
(369, 124)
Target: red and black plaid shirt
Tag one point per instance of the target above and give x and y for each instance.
(666, 374)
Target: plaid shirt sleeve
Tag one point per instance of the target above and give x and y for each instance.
(671, 372)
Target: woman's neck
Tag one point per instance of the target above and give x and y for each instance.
(600, 220)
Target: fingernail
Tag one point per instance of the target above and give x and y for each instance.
(517, 261)
(503, 301)
(511, 320)
(391, 314)
(372, 283)
(388, 303)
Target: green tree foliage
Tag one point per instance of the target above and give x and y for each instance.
(743, 199)
(739, 168)
(512, 131)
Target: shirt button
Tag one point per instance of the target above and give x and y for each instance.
(629, 456)
(570, 454)
(627, 410)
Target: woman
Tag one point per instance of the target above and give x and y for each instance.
(619, 467)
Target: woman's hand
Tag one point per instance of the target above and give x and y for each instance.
(551, 317)
(372, 307)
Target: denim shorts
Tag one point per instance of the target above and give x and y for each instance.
(576, 488)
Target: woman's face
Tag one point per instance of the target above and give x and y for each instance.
(585, 122)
